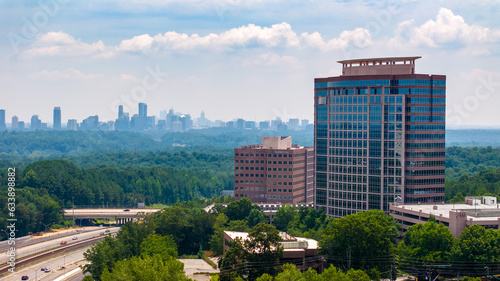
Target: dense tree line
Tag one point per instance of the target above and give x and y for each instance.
(42, 188)
(291, 272)
(484, 183)
(470, 160)
(477, 250)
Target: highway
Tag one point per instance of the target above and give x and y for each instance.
(47, 236)
(23, 251)
(71, 259)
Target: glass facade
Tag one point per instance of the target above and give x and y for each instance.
(379, 141)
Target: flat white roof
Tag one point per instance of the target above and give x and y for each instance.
(444, 209)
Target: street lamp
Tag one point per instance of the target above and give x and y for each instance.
(46, 225)
(73, 207)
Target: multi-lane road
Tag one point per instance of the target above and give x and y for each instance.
(23, 251)
(63, 264)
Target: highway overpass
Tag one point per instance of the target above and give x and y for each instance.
(120, 215)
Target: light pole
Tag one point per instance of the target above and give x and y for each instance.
(103, 200)
(46, 225)
(73, 207)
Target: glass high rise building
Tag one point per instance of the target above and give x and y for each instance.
(57, 118)
(379, 136)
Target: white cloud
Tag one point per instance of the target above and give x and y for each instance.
(128, 77)
(277, 35)
(446, 28)
(63, 75)
(359, 37)
(63, 44)
(251, 35)
(137, 43)
(271, 59)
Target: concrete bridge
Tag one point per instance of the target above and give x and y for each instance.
(120, 215)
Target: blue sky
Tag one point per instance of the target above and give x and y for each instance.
(251, 59)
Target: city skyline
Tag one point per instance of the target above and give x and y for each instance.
(211, 56)
(141, 121)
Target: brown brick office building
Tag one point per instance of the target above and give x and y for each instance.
(275, 171)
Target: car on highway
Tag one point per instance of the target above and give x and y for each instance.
(102, 233)
(126, 210)
(64, 242)
(43, 268)
(25, 277)
(74, 238)
(107, 230)
(47, 269)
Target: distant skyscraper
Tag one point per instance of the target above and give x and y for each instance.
(15, 122)
(72, 125)
(90, 123)
(20, 125)
(240, 124)
(264, 125)
(275, 171)
(293, 123)
(57, 118)
(36, 124)
(120, 111)
(380, 136)
(2, 120)
(143, 110)
(122, 122)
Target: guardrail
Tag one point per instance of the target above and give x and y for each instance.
(24, 261)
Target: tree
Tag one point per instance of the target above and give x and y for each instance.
(101, 257)
(255, 217)
(256, 255)
(164, 246)
(216, 243)
(284, 216)
(146, 268)
(477, 248)
(423, 243)
(365, 240)
(239, 209)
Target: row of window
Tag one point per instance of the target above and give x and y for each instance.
(263, 189)
(434, 154)
(425, 127)
(426, 100)
(268, 155)
(381, 82)
(425, 136)
(439, 172)
(418, 164)
(425, 145)
(263, 196)
(425, 109)
(416, 191)
(425, 182)
(426, 118)
(347, 170)
(249, 161)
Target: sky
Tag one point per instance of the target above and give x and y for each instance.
(250, 59)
